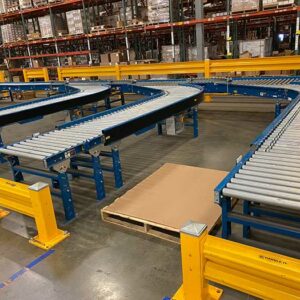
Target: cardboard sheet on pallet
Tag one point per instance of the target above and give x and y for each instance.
(170, 197)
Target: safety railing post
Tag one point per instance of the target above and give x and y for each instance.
(59, 75)
(48, 233)
(46, 74)
(26, 79)
(195, 287)
(118, 72)
(2, 76)
(207, 68)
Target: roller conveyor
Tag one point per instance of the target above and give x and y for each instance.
(271, 172)
(59, 145)
(71, 96)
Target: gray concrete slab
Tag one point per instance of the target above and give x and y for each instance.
(102, 261)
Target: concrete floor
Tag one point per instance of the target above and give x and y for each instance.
(102, 261)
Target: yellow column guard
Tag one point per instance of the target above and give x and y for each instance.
(257, 272)
(41, 73)
(34, 201)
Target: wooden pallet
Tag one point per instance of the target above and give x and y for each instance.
(153, 229)
(278, 6)
(245, 11)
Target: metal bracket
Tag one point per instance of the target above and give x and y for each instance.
(62, 167)
(95, 151)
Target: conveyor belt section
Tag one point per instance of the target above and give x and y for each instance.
(71, 96)
(267, 175)
(106, 127)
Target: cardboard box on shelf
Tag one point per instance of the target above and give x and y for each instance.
(246, 54)
(75, 21)
(117, 57)
(105, 59)
(37, 63)
(47, 30)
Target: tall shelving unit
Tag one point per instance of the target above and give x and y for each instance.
(194, 23)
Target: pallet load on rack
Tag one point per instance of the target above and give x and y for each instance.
(159, 11)
(134, 14)
(168, 51)
(75, 21)
(58, 29)
(257, 48)
(269, 4)
(25, 4)
(9, 6)
(38, 3)
(240, 6)
(12, 33)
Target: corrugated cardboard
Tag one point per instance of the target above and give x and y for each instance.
(172, 196)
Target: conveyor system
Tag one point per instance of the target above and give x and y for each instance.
(58, 149)
(71, 96)
(267, 178)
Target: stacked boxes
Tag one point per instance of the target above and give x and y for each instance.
(25, 4)
(59, 26)
(167, 53)
(12, 33)
(12, 5)
(75, 21)
(37, 3)
(277, 3)
(257, 48)
(159, 11)
(134, 14)
(244, 5)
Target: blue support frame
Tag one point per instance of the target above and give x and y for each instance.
(59, 181)
(195, 122)
(98, 176)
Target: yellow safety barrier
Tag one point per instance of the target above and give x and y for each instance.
(33, 201)
(207, 67)
(41, 73)
(253, 271)
(2, 76)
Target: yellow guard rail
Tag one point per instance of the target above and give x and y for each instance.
(33, 201)
(256, 272)
(41, 73)
(207, 67)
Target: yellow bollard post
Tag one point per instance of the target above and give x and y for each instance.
(26, 79)
(207, 68)
(118, 72)
(3, 213)
(195, 286)
(59, 74)
(48, 233)
(2, 76)
(46, 74)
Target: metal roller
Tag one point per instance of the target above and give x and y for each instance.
(261, 198)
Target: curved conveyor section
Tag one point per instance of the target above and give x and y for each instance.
(71, 96)
(269, 173)
(106, 127)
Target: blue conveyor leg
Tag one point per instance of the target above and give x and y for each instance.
(107, 103)
(2, 159)
(66, 196)
(98, 176)
(159, 129)
(17, 174)
(226, 224)
(117, 167)
(122, 98)
(246, 211)
(277, 109)
(195, 122)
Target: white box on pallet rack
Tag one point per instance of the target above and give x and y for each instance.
(75, 21)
